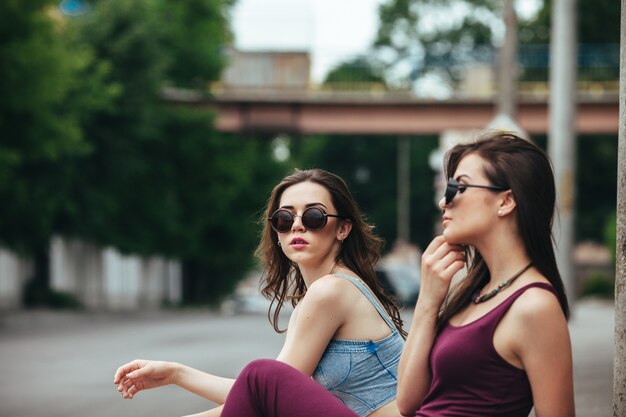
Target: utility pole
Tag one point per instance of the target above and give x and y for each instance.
(619, 364)
(404, 190)
(562, 135)
(506, 105)
(507, 70)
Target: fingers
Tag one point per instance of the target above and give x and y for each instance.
(434, 245)
(443, 259)
(440, 262)
(439, 247)
(128, 388)
(124, 370)
(125, 377)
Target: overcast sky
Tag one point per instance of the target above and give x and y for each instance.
(331, 30)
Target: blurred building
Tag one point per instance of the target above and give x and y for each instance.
(266, 71)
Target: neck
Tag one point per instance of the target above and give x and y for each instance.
(504, 255)
(311, 273)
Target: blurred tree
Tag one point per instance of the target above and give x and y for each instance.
(356, 74)
(49, 85)
(197, 31)
(596, 182)
(598, 22)
(161, 180)
(598, 37)
(110, 203)
(418, 37)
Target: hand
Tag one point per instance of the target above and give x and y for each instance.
(141, 374)
(440, 262)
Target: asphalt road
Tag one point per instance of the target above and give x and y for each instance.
(59, 364)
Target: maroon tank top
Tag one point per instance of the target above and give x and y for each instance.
(469, 378)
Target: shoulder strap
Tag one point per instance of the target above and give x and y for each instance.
(368, 294)
(498, 312)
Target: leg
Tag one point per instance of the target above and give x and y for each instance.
(268, 388)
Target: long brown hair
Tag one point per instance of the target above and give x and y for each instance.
(360, 251)
(521, 166)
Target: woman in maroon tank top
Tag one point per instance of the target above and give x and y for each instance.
(496, 342)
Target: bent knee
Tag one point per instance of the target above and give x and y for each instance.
(263, 367)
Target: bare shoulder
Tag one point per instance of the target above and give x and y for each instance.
(328, 291)
(538, 307)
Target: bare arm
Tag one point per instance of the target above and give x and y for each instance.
(211, 387)
(545, 350)
(314, 322)
(140, 375)
(318, 316)
(440, 262)
(311, 326)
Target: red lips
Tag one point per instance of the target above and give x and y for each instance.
(298, 241)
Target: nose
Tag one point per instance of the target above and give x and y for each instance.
(297, 224)
(442, 203)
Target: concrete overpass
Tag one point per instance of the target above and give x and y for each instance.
(307, 113)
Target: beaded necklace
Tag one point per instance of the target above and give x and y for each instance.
(482, 298)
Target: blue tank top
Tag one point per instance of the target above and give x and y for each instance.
(470, 378)
(363, 374)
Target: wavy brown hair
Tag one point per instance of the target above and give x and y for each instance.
(360, 251)
(522, 167)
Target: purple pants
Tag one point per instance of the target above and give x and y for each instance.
(268, 388)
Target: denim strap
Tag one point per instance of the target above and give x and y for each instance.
(368, 293)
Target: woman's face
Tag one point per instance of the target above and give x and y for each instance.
(473, 212)
(303, 246)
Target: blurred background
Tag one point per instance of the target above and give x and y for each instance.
(140, 139)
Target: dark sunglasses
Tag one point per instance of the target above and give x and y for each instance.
(313, 218)
(454, 187)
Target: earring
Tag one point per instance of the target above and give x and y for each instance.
(500, 213)
(279, 244)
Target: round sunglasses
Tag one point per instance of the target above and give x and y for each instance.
(313, 218)
(454, 187)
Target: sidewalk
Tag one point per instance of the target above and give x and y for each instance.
(592, 328)
(40, 344)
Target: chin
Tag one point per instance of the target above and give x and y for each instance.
(453, 238)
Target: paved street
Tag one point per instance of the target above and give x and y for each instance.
(61, 364)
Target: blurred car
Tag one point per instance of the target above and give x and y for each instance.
(400, 280)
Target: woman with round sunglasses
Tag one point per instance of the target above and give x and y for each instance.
(319, 254)
(495, 342)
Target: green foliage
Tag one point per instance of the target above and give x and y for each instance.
(357, 70)
(196, 35)
(596, 185)
(436, 35)
(62, 300)
(161, 180)
(89, 149)
(443, 36)
(43, 101)
(597, 22)
(598, 284)
(369, 166)
(610, 234)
